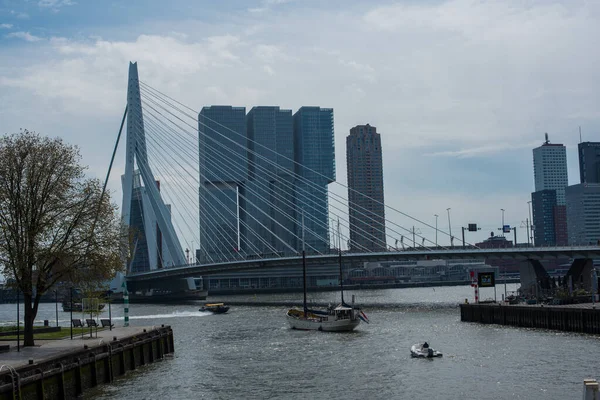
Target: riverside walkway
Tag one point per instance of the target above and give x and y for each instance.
(51, 348)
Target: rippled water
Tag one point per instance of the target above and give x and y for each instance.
(251, 353)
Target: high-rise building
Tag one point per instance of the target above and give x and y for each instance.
(550, 169)
(223, 166)
(589, 162)
(269, 209)
(548, 200)
(365, 189)
(314, 153)
(543, 203)
(583, 213)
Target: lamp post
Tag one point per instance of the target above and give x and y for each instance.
(71, 309)
(18, 327)
(531, 222)
(502, 226)
(449, 226)
(436, 218)
(56, 304)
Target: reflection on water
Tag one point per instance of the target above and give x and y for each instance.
(251, 353)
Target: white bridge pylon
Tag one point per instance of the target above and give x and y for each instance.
(140, 189)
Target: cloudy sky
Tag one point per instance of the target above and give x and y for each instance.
(460, 90)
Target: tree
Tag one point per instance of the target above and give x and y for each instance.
(55, 224)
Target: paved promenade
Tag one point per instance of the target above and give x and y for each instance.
(44, 349)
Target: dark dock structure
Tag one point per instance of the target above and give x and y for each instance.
(65, 369)
(583, 318)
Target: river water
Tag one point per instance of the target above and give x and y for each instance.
(250, 353)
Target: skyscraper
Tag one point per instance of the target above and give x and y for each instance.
(583, 213)
(314, 153)
(589, 162)
(365, 189)
(549, 212)
(223, 166)
(269, 210)
(550, 169)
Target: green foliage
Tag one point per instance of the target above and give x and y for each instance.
(56, 225)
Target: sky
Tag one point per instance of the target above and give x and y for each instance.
(460, 90)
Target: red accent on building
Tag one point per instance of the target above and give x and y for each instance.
(560, 225)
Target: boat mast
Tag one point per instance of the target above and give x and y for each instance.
(340, 260)
(304, 267)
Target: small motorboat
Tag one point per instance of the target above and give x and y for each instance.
(215, 308)
(423, 351)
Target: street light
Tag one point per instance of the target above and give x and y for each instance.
(449, 227)
(531, 222)
(436, 218)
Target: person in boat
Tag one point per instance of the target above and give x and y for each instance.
(425, 345)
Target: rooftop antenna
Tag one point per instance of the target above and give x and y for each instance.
(547, 140)
(580, 134)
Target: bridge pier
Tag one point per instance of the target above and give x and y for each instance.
(534, 277)
(580, 273)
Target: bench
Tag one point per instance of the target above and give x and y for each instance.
(106, 323)
(77, 323)
(91, 323)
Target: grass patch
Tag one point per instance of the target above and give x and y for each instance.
(14, 328)
(62, 334)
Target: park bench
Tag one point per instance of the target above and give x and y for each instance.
(106, 323)
(91, 323)
(77, 323)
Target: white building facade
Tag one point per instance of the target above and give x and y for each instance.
(550, 169)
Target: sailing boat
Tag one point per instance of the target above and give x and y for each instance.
(342, 318)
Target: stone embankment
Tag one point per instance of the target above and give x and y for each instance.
(65, 369)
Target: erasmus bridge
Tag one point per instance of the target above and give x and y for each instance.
(203, 197)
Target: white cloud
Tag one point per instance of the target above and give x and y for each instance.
(268, 70)
(482, 151)
(448, 84)
(55, 4)
(267, 5)
(6, 26)
(25, 36)
(20, 15)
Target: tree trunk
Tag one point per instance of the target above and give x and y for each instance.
(28, 320)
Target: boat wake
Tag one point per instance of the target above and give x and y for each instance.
(175, 314)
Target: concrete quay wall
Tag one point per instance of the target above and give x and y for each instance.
(69, 374)
(577, 318)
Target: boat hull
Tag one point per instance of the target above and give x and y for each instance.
(343, 325)
(417, 352)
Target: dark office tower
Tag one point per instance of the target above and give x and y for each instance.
(544, 204)
(314, 154)
(269, 210)
(589, 162)
(365, 189)
(223, 166)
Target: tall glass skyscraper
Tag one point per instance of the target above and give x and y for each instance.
(314, 153)
(589, 162)
(365, 189)
(222, 141)
(549, 210)
(269, 209)
(550, 169)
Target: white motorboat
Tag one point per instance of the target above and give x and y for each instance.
(423, 351)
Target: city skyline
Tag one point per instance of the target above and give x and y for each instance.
(459, 130)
